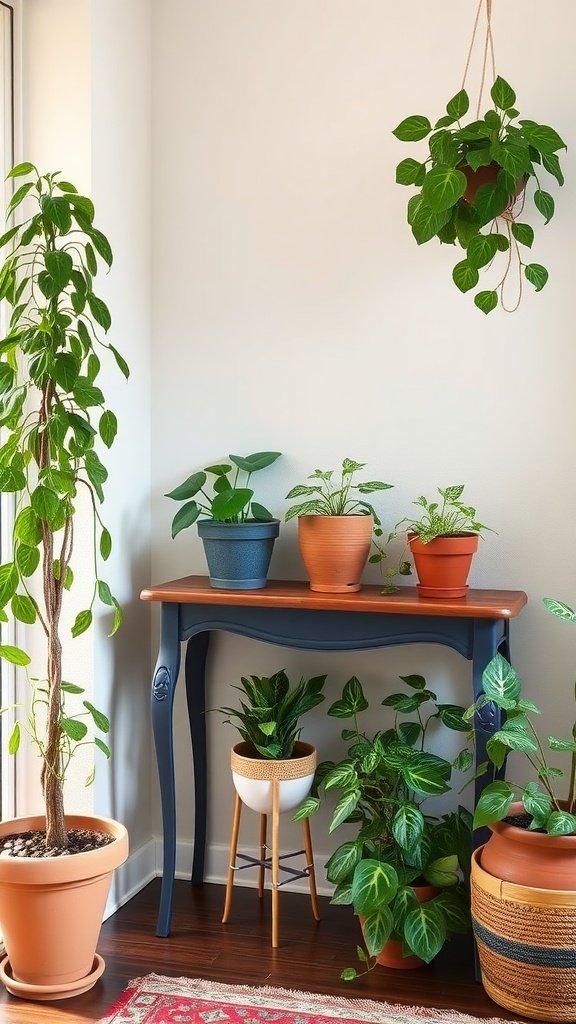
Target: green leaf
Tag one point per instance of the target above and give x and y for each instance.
(108, 427)
(66, 370)
(476, 158)
(230, 503)
(59, 265)
(413, 128)
(561, 823)
(120, 361)
(27, 559)
(454, 910)
(348, 974)
(489, 202)
(14, 655)
(408, 826)
(57, 210)
(543, 138)
(501, 683)
(102, 746)
(377, 928)
(6, 378)
(189, 488)
(100, 720)
(82, 622)
(185, 517)
(342, 862)
(537, 804)
(353, 700)
(425, 931)
(260, 513)
(481, 250)
(374, 886)
(19, 195)
(8, 582)
(104, 593)
(23, 608)
(346, 804)
(544, 203)
(410, 172)
(452, 716)
(558, 608)
(99, 311)
(556, 744)
(310, 806)
(46, 503)
(101, 243)
(105, 544)
(458, 105)
(72, 688)
(27, 527)
(255, 462)
(73, 728)
(552, 164)
(523, 233)
(486, 301)
(536, 274)
(20, 169)
(493, 804)
(426, 775)
(465, 276)
(502, 94)
(442, 187)
(417, 682)
(443, 872)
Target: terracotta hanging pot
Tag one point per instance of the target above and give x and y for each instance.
(391, 953)
(51, 910)
(253, 776)
(485, 176)
(443, 564)
(530, 858)
(335, 550)
(525, 940)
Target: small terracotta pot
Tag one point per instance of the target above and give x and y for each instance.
(253, 777)
(530, 858)
(391, 954)
(443, 564)
(485, 176)
(335, 550)
(51, 911)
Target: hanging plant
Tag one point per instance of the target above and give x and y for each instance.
(479, 181)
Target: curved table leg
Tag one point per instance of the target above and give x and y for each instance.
(196, 652)
(162, 700)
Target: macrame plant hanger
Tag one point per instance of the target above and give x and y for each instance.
(509, 215)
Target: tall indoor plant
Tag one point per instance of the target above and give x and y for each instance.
(55, 419)
(526, 871)
(335, 526)
(404, 870)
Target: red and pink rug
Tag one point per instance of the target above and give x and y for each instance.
(158, 1000)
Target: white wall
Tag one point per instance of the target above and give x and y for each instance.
(86, 76)
(292, 310)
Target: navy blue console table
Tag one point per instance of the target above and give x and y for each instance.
(288, 613)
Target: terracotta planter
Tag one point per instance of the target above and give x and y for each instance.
(525, 939)
(391, 954)
(51, 911)
(443, 564)
(485, 176)
(335, 550)
(530, 858)
(253, 777)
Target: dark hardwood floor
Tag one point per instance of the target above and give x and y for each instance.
(310, 956)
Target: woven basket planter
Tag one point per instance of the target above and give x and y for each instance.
(526, 939)
(254, 776)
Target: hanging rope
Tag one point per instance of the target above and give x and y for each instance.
(488, 50)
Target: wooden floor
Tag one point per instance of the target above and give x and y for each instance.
(310, 956)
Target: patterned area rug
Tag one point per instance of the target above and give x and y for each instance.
(158, 1000)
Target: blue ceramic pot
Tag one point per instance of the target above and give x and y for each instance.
(238, 554)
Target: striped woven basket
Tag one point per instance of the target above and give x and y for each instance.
(526, 939)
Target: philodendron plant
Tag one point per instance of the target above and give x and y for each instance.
(53, 417)
(383, 781)
(546, 809)
(507, 154)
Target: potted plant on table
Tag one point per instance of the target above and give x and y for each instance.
(524, 877)
(404, 870)
(335, 525)
(55, 870)
(238, 533)
(272, 769)
(477, 184)
(442, 540)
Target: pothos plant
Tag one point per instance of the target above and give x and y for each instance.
(505, 155)
(383, 782)
(53, 417)
(546, 809)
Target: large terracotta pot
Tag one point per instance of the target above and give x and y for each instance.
(253, 777)
(525, 939)
(391, 953)
(51, 910)
(335, 550)
(530, 858)
(443, 564)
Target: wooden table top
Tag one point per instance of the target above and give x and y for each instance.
(296, 594)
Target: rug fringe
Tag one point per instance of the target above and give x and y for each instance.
(433, 1015)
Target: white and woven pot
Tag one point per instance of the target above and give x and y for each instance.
(254, 777)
